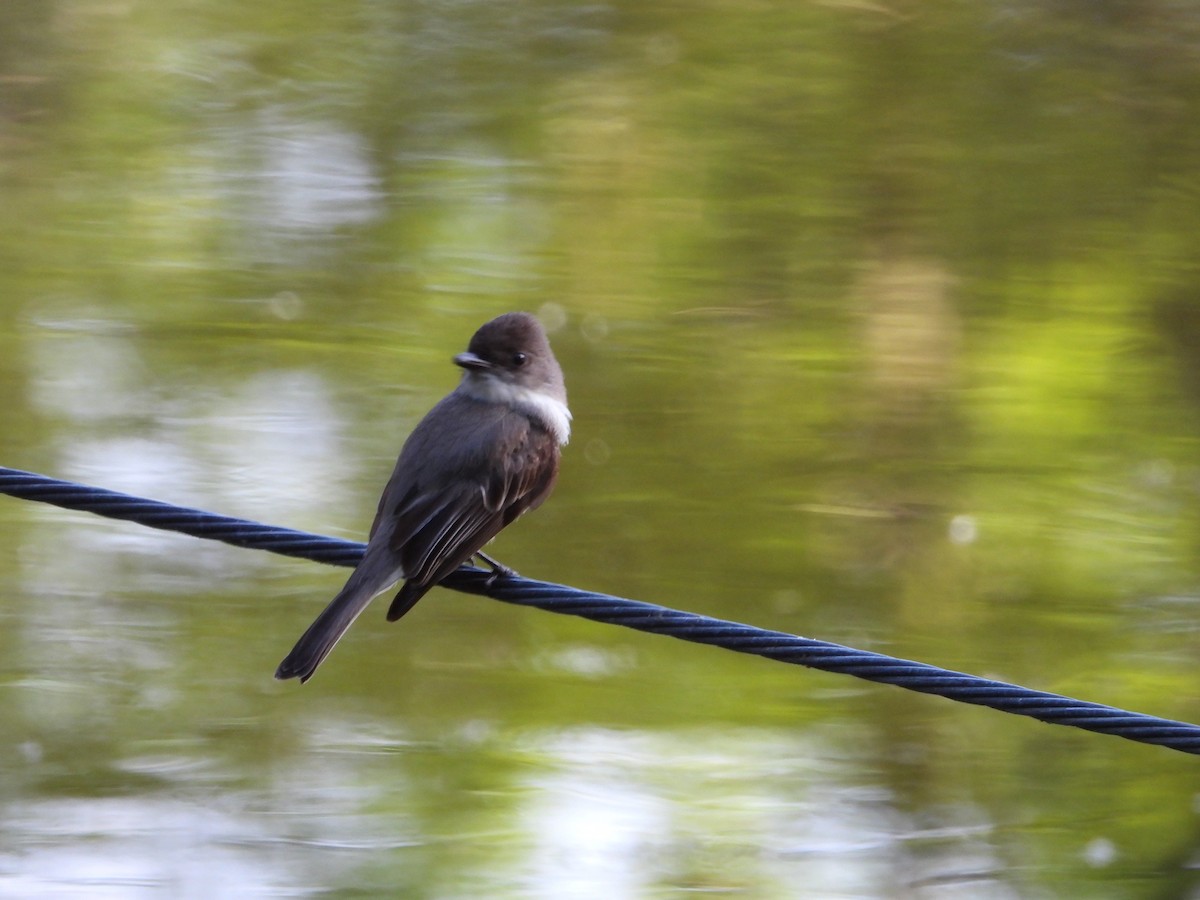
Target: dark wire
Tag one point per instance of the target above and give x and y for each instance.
(914, 676)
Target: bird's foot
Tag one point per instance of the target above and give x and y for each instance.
(499, 570)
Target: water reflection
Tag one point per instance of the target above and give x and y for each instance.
(878, 326)
(258, 442)
(306, 175)
(596, 812)
(139, 847)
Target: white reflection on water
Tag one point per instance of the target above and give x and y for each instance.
(630, 811)
(314, 175)
(621, 814)
(142, 847)
(579, 813)
(272, 441)
(87, 377)
(283, 175)
(588, 832)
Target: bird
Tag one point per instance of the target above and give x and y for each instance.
(487, 453)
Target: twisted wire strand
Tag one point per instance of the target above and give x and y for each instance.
(1051, 708)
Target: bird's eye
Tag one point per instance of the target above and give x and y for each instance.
(519, 359)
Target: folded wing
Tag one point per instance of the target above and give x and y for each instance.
(438, 527)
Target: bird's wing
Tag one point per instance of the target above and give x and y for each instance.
(444, 519)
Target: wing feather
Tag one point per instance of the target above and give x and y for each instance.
(440, 525)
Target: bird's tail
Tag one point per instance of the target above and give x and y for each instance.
(327, 629)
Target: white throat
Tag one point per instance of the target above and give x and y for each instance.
(551, 411)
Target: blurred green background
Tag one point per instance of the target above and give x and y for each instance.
(880, 322)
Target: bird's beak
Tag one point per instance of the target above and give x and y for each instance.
(470, 361)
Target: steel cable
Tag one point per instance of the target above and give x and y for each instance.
(780, 646)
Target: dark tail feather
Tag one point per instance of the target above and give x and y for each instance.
(314, 645)
(406, 599)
